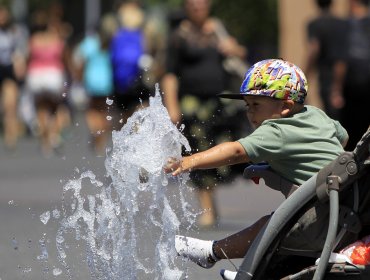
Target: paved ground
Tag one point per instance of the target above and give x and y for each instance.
(31, 184)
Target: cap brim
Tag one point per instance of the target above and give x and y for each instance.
(231, 95)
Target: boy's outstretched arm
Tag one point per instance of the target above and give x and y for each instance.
(227, 153)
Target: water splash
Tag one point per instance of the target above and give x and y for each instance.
(129, 224)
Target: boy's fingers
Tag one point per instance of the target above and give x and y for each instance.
(177, 172)
(168, 169)
(174, 166)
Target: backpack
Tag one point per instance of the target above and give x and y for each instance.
(126, 48)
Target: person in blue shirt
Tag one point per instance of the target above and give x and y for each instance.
(98, 83)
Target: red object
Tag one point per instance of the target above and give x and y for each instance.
(361, 254)
(256, 180)
(359, 251)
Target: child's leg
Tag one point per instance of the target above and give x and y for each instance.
(236, 245)
(206, 252)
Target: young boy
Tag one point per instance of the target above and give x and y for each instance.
(295, 140)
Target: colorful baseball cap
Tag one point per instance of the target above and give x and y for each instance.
(276, 78)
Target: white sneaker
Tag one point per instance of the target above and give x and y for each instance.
(227, 274)
(196, 250)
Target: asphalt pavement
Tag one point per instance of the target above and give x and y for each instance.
(31, 184)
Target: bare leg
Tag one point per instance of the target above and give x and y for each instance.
(55, 126)
(236, 245)
(99, 128)
(206, 201)
(43, 119)
(63, 116)
(11, 122)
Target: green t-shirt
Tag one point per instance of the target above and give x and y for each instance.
(296, 147)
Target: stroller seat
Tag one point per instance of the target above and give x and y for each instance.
(343, 189)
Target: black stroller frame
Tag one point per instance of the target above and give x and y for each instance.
(326, 186)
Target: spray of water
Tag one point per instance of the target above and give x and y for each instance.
(129, 224)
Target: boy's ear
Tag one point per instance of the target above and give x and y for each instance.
(287, 108)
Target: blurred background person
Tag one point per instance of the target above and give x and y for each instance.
(12, 70)
(325, 49)
(64, 29)
(56, 20)
(356, 83)
(45, 79)
(195, 75)
(97, 76)
(126, 49)
(155, 32)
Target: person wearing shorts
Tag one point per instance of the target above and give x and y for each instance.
(12, 65)
(45, 81)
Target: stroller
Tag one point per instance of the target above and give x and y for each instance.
(343, 189)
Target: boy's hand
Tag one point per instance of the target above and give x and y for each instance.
(173, 166)
(223, 154)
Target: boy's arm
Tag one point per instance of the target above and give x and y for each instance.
(342, 134)
(223, 154)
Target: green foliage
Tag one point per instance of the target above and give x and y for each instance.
(167, 3)
(37, 4)
(253, 22)
(249, 20)
(5, 3)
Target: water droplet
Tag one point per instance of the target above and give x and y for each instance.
(27, 269)
(56, 214)
(109, 101)
(60, 239)
(57, 271)
(15, 243)
(44, 217)
(44, 253)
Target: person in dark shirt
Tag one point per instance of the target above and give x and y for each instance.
(325, 48)
(356, 82)
(195, 74)
(12, 69)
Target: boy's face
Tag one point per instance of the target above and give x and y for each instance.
(261, 108)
